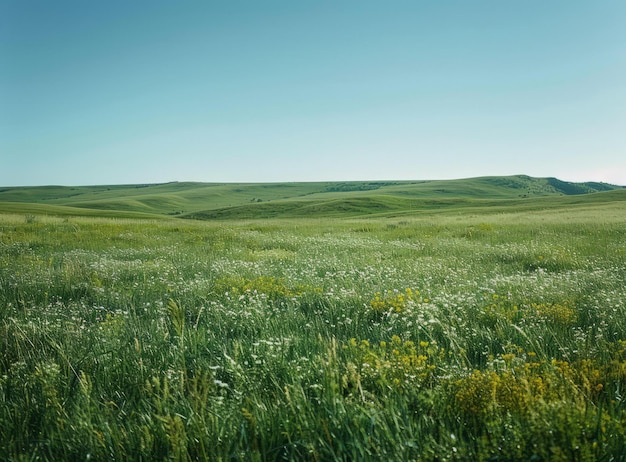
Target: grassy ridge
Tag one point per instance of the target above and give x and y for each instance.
(27, 208)
(204, 201)
(388, 205)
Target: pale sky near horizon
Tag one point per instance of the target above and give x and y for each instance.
(261, 91)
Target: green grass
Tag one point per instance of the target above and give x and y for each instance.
(491, 329)
(394, 206)
(224, 201)
(463, 319)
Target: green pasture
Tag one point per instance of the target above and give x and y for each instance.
(492, 329)
(247, 200)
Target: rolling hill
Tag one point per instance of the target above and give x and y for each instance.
(267, 200)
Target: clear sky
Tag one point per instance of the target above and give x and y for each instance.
(109, 92)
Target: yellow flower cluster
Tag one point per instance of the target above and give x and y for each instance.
(500, 308)
(522, 385)
(488, 391)
(395, 301)
(395, 363)
(560, 314)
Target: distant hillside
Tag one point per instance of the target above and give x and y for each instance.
(264, 200)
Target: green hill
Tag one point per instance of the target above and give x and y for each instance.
(266, 200)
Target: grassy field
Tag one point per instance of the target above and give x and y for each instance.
(247, 200)
(492, 332)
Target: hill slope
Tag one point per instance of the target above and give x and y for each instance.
(263, 200)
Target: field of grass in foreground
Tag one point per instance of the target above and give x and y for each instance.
(486, 337)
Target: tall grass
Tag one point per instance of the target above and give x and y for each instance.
(486, 337)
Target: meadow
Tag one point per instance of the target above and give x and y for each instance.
(449, 336)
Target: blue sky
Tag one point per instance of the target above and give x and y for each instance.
(254, 91)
